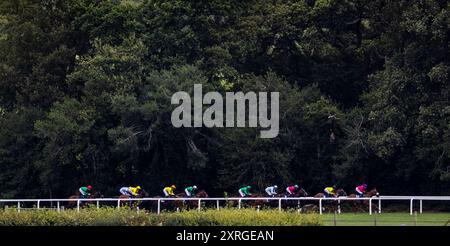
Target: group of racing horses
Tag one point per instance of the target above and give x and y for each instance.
(302, 206)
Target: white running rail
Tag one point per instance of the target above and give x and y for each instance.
(320, 201)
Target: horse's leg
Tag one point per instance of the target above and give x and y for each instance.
(375, 208)
(354, 206)
(362, 206)
(335, 206)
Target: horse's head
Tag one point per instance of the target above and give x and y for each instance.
(301, 193)
(143, 193)
(96, 194)
(341, 192)
(202, 194)
(373, 192)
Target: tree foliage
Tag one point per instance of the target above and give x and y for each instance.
(85, 89)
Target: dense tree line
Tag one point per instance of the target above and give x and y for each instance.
(85, 89)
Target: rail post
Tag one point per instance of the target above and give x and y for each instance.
(38, 205)
(118, 204)
(98, 204)
(370, 206)
(159, 206)
(411, 206)
(339, 206)
(199, 204)
(379, 205)
(320, 205)
(58, 207)
(218, 205)
(420, 209)
(18, 207)
(78, 205)
(239, 204)
(279, 204)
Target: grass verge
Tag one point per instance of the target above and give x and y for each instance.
(127, 217)
(387, 219)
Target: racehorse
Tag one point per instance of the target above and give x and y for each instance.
(194, 203)
(255, 203)
(176, 205)
(293, 203)
(373, 192)
(339, 192)
(332, 206)
(299, 193)
(72, 204)
(246, 203)
(359, 205)
(134, 204)
(190, 204)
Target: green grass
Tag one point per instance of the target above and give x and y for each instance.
(387, 219)
(224, 217)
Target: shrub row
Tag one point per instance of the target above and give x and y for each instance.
(127, 217)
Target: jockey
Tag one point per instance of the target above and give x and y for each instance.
(85, 191)
(168, 191)
(245, 191)
(329, 191)
(292, 189)
(360, 190)
(190, 191)
(135, 190)
(271, 190)
(130, 191)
